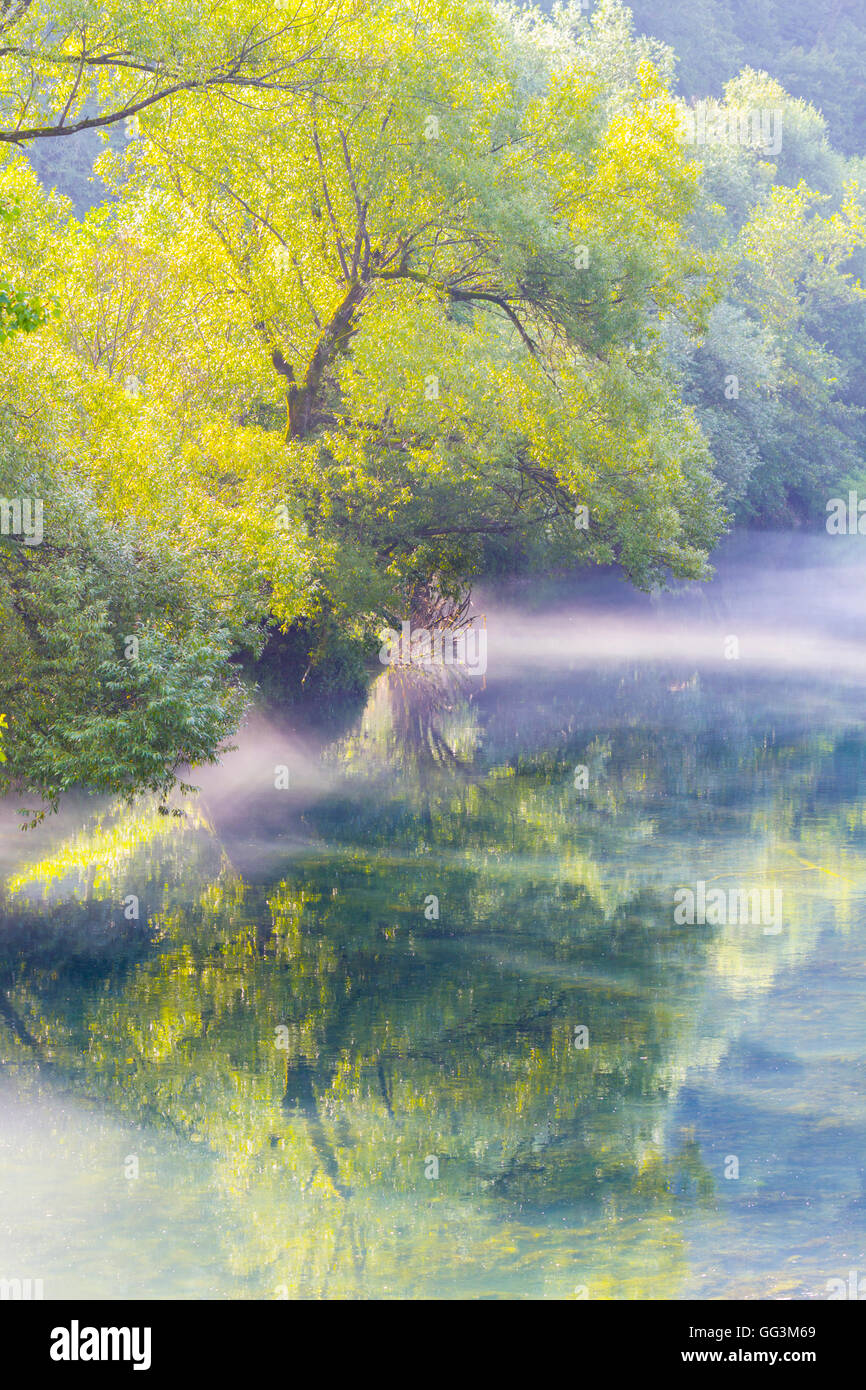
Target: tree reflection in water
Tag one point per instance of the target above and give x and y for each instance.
(324, 1038)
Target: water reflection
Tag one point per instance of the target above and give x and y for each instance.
(344, 1036)
(418, 720)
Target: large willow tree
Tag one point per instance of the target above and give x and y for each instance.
(392, 294)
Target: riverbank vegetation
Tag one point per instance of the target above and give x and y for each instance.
(380, 302)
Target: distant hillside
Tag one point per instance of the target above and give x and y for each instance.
(815, 48)
(66, 163)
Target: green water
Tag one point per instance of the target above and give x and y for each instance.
(289, 1077)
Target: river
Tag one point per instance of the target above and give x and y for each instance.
(427, 1021)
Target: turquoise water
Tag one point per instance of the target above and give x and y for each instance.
(339, 1052)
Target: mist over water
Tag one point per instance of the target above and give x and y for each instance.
(388, 961)
(795, 604)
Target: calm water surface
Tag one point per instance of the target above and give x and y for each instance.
(334, 992)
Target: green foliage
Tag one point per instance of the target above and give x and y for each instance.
(20, 312)
(791, 234)
(73, 65)
(437, 281)
(113, 667)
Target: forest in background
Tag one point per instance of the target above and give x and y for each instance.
(369, 304)
(816, 50)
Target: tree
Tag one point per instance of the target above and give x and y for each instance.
(113, 668)
(327, 342)
(20, 312)
(426, 284)
(85, 65)
(774, 379)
